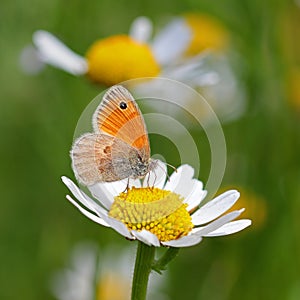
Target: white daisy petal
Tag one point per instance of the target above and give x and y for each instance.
(185, 241)
(106, 191)
(79, 195)
(215, 207)
(141, 29)
(135, 182)
(196, 195)
(207, 79)
(181, 182)
(146, 237)
(196, 71)
(102, 193)
(171, 41)
(203, 231)
(186, 69)
(54, 52)
(87, 213)
(89, 203)
(118, 226)
(195, 200)
(114, 223)
(30, 61)
(230, 228)
(157, 176)
(120, 186)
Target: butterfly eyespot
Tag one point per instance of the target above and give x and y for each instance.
(107, 150)
(123, 105)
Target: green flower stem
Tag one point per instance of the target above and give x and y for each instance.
(161, 264)
(143, 265)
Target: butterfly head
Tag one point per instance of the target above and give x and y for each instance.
(140, 164)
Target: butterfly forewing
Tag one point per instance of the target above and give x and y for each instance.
(118, 115)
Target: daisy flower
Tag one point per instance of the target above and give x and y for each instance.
(190, 49)
(159, 212)
(122, 57)
(99, 274)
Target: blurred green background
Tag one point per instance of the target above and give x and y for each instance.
(38, 115)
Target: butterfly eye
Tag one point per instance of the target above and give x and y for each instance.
(123, 105)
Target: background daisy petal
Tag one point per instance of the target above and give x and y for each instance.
(30, 60)
(54, 52)
(171, 41)
(141, 29)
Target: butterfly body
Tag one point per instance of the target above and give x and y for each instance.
(119, 146)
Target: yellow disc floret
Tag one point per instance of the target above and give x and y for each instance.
(119, 58)
(207, 33)
(158, 211)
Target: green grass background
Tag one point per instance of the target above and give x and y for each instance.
(38, 115)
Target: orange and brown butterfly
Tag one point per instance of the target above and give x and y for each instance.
(119, 146)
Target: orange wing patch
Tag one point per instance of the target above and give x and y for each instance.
(118, 115)
(116, 118)
(140, 142)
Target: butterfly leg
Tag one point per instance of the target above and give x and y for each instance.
(127, 186)
(148, 179)
(155, 177)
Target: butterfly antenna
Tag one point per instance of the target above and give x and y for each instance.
(171, 166)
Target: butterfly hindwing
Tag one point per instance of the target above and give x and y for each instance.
(101, 158)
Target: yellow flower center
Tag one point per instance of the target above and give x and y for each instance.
(158, 211)
(207, 33)
(119, 58)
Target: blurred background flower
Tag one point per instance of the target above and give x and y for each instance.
(38, 115)
(193, 49)
(94, 274)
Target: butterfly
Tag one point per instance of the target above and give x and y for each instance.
(119, 146)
